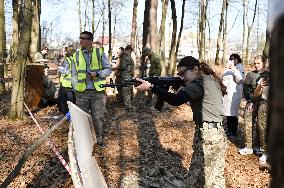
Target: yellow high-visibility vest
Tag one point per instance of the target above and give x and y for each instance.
(65, 80)
(81, 68)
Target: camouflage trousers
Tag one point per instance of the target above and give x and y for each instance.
(124, 93)
(208, 159)
(251, 132)
(94, 102)
(127, 93)
(262, 124)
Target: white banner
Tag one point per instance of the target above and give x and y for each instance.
(81, 140)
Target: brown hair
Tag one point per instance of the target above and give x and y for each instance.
(262, 58)
(70, 50)
(190, 62)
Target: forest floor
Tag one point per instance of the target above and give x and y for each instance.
(136, 143)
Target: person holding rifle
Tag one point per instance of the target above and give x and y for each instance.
(204, 91)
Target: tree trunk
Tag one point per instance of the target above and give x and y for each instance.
(2, 46)
(265, 51)
(79, 14)
(162, 36)
(134, 24)
(225, 33)
(276, 107)
(245, 10)
(109, 31)
(15, 37)
(104, 23)
(219, 39)
(153, 25)
(93, 16)
(35, 32)
(172, 57)
(181, 27)
(149, 30)
(202, 28)
(85, 14)
(114, 29)
(249, 31)
(22, 58)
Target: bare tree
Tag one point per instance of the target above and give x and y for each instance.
(2, 46)
(134, 24)
(202, 28)
(15, 37)
(79, 14)
(35, 31)
(109, 31)
(225, 33)
(245, 12)
(220, 38)
(181, 27)
(249, 26)
(17, 99)
(85, 14)
(162, 35)
(149, 29)
(172, 57)
(93, 16)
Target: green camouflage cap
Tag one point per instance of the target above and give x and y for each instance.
(146, 51)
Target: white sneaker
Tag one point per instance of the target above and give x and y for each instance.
(246, 151)
(263, 159)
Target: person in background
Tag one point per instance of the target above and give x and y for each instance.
(155, 68)
(233, 78)
(252, 104)
(67, 82)
(126, 71)
(262, 91)
(97, 44)
(92, 68)
(41, 57)
(118, 73)
(204, 91)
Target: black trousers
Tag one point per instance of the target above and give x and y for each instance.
(232, 124)
(66, 94)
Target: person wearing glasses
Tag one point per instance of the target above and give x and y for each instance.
(92, 68)
(204, 91)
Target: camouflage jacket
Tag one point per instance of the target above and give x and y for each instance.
(155, 68)
(126, 67)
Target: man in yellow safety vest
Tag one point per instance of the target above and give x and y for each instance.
(92, 68)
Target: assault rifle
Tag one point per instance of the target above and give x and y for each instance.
(162, 82)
